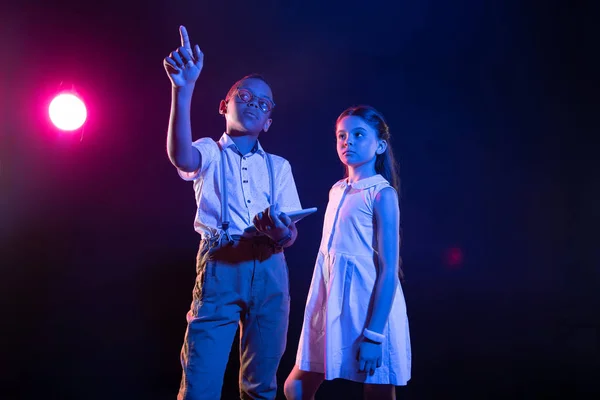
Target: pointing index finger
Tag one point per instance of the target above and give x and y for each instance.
(185, 39)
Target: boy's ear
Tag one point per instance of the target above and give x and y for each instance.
(267, 124)
(222, 107)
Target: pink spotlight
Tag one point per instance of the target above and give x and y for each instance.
(67, 112)
(453, 257)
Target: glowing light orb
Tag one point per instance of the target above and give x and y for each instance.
(453, 257)
(67, 112)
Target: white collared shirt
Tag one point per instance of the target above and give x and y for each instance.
(247, 180)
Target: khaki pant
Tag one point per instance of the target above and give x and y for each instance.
(245, 283)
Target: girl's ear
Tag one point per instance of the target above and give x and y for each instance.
(381, 147)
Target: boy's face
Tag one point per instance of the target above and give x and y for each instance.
(249, 107)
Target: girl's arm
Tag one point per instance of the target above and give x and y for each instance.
(387, 218)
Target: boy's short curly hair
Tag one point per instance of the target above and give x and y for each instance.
(239, 82)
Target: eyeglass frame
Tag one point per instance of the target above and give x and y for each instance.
(252, 96)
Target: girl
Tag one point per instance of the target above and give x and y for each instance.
(355, 324)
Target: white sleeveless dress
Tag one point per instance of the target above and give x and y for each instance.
(338, 300)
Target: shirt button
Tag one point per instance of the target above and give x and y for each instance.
(248, 201)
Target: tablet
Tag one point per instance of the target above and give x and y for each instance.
(295, 216)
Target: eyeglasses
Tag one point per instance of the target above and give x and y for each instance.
(247, 96)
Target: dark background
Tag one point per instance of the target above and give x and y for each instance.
(491, 106)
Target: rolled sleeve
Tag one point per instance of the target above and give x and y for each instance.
(209, 152)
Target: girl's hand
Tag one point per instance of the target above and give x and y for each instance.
(183, 67)
(369, 356)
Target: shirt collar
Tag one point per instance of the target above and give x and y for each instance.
(363, 183)
(225, 141)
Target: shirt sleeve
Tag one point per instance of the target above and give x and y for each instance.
(209, 151)
(287, 194)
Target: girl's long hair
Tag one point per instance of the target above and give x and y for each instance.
(385, 163)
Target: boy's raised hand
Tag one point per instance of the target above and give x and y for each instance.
(184, 66)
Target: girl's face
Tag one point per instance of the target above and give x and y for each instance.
(357, 141)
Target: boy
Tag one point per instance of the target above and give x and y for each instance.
(242, 277)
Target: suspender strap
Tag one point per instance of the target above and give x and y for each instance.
(271, 179)
(224, 202)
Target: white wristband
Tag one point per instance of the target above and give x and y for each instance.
(373, 336)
